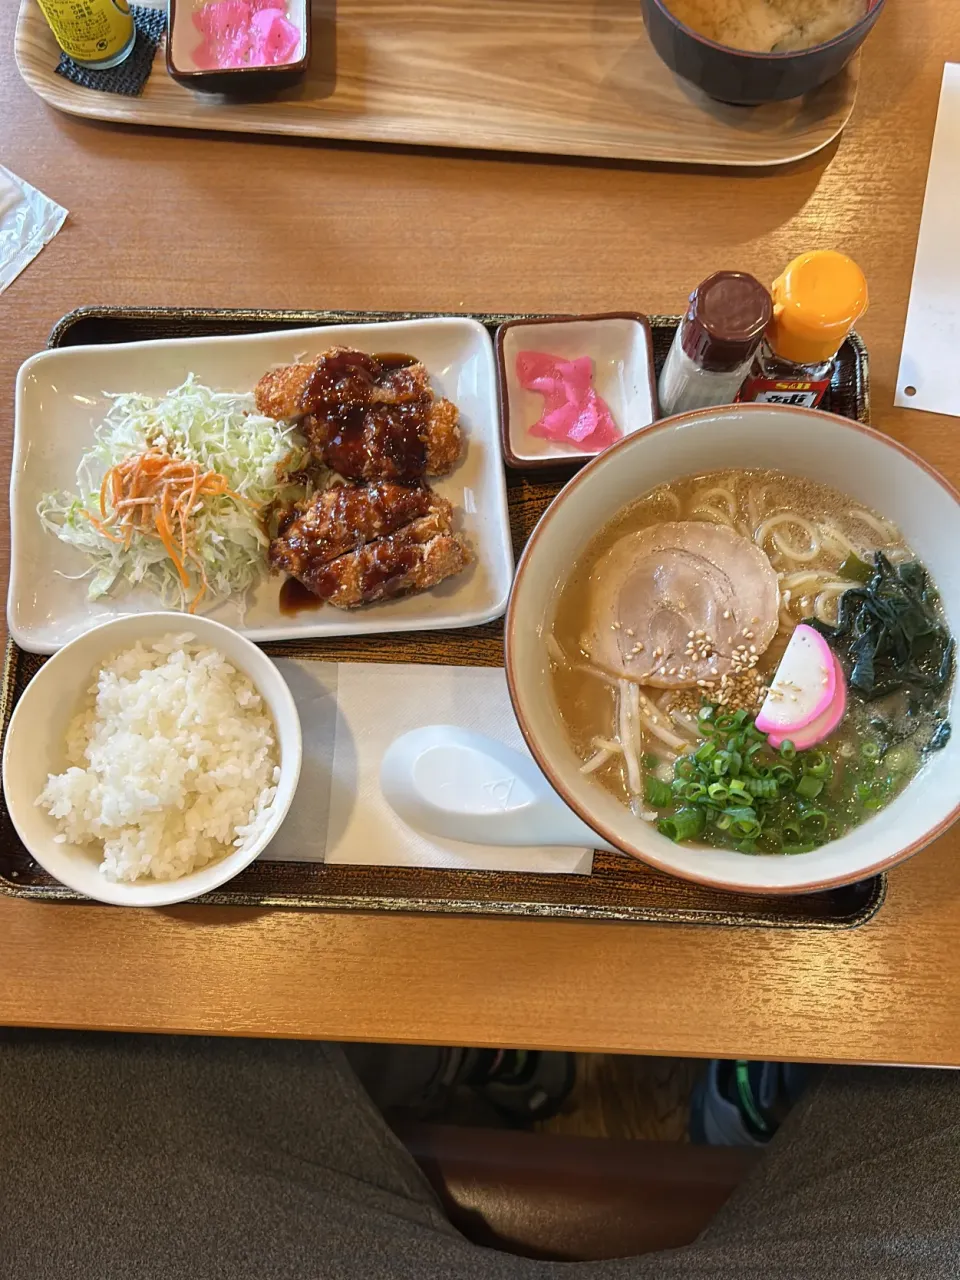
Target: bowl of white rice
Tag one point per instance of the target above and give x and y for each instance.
(152, 759)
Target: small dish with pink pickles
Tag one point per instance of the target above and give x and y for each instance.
(242, 48)
(571, 386)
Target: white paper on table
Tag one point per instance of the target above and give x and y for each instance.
(350, 712)
(28, 220)
(928, 362)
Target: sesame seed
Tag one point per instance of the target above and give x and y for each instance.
(630, 631)
(753, 648)
(690, 635)
(726, 613)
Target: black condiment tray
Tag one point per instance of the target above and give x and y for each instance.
(619, 888)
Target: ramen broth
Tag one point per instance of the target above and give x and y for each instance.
(814, 537)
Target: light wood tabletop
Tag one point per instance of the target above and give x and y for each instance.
(195, 219)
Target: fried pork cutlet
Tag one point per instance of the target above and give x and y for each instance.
(415, 558)
(365, 419)
(279, 393)
(345, 518)
(400, 540)
(339, 377)
(388, 442)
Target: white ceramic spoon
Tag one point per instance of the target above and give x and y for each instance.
(449, 782)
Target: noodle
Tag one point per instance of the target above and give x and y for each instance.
(725, 495)
(772, 524)
(663, 493)
(831, 534)
(712, 514)
(830, 593)
(882, 528)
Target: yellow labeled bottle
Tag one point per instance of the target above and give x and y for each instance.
(816, 302)
(94, 33)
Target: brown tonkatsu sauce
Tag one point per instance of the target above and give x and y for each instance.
(295, 597)
(367, 417)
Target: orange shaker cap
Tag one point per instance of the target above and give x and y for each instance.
(816, 302)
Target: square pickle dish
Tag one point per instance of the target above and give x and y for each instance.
(64, 393)
(619, 346)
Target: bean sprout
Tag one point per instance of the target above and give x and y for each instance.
(660, 730)
(596, 761)
(638, 811)
(685, 721)
(554, 650)
(627, 743)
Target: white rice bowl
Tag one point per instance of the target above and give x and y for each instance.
(173, 762)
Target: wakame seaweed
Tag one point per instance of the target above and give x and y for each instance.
(890, 634)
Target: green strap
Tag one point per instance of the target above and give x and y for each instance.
(747, 1100)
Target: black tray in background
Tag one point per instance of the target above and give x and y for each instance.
(620, 888)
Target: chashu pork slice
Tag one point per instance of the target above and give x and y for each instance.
(653, 588)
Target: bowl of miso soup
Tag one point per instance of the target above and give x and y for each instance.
(730, 647)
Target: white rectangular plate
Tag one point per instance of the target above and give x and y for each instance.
(62, 397)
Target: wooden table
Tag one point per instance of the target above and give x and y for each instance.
(158, 218)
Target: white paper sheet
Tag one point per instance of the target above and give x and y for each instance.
(929, 377)
(28, 221)
(350, 713)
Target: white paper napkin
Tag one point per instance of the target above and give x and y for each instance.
(28, 220)
(350, 713)
(928, 364)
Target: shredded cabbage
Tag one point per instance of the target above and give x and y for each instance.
(220, 431)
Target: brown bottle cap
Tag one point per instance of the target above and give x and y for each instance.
(726, 319)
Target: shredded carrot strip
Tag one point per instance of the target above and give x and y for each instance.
(156, 495)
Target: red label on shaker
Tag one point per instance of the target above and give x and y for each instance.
(801, 393)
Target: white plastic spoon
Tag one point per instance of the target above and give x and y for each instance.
(458, 785)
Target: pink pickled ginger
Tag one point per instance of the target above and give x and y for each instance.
(572, 410)
(245, 33)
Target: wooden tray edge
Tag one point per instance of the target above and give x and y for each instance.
(767, 919)
(87, 104)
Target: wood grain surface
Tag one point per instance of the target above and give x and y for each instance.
(190, 219)
(568, 77)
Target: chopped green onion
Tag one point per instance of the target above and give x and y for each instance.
(788, 750)
(820, 767)
(809, 787)
(685, 824)
(657, 793)
(870, 751)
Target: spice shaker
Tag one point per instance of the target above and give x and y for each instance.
(816, 302)
(716, 342)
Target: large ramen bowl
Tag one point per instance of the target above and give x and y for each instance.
(869, 467)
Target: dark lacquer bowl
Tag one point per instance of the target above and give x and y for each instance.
(183, 39)
(744, 78)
